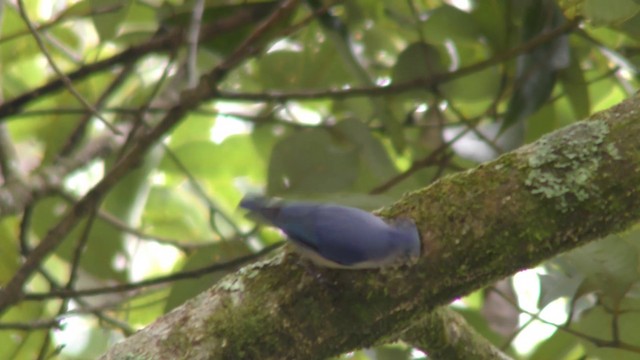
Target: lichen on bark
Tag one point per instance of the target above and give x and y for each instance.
(563, 165)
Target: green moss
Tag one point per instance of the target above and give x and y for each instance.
(563, 165)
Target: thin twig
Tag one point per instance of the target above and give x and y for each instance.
(192, 43)
(418, 165)
(78, 133)
(16, 195)
(186, 247)
(65, 79)
(189, 99)
(165, 41)
(32, 325)
(61, 18)
(596, 341)
(391, 89)
(183, 275)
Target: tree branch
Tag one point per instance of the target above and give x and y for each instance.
(570, 187)
(396, 88)
(162, 42)
(189, 99)
(17, 194)
(445, 335)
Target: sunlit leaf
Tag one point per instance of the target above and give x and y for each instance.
(559, 346)
(9, 256)
(107, 25)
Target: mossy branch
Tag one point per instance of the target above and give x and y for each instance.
(571, 187)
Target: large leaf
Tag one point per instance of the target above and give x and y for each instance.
(375, 165)
(450, 23)
(175, 213)
(490, 17)
(419, 60)
(215, 253)
(107, 25)
(215, 11)
(472, 94)
(559, 346)
(106, 242)
(536, 70)
(9, 256)
(316, 65)
(598, 323)
(22, 345)
(312, 162)
(235, 156)
(575, 86)
(603, 12)
(609, 266)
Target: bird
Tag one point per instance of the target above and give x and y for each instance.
(338, 236)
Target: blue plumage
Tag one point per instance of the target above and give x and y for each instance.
(339, 236)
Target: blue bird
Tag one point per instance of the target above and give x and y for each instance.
(339, 236)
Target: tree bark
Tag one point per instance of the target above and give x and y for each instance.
(570, 187)
(445, 335)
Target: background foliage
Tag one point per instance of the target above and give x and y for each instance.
(353, 102)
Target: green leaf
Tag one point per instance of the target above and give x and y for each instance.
(214, 11)
(479, 323)
(375, 165)
(606, 93)
(473, 94)
(22, 75)
(21, 345)
(215, 253)
(418, 61)
(79, 9)
(609, 266)
(9, 256)
(265, 136)
(542, 122)
(391, 112)
(576, 87)
(598, 323)
(194, 128)
(311, 162)
(559, 346)
(536, 70)
(107, 25)
(315, 66)
(22, 48)
(106, 241)
(632, 27)
(605, 12)
(450, 23)
(173, 212)
(144, 309)
(235, 156)
(489, 15)
(557, 284)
